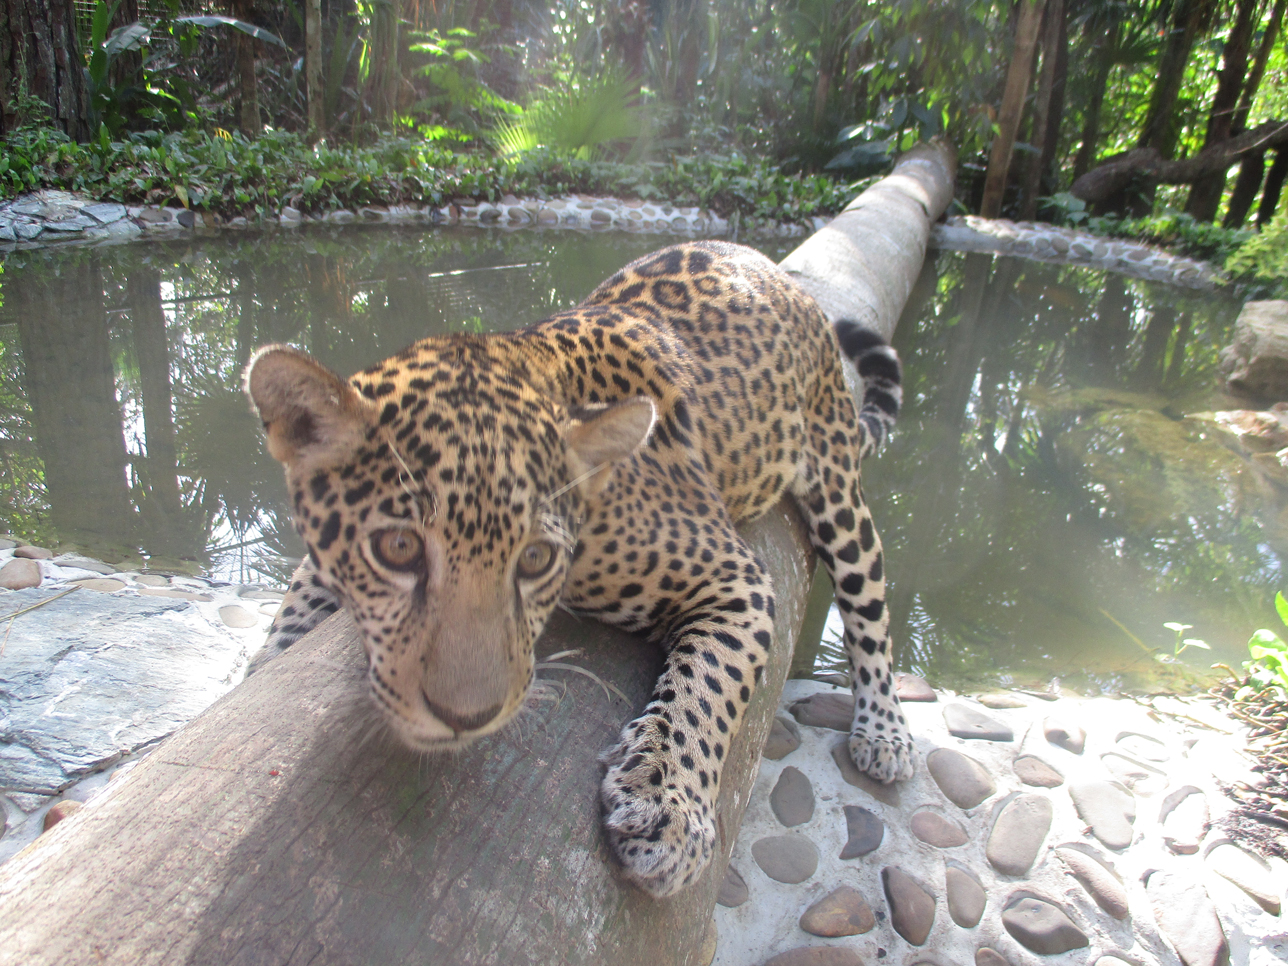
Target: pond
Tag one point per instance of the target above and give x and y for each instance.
(1047, 501)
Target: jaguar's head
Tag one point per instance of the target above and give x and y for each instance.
(441, 494)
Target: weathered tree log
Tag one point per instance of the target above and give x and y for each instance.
(1147, 167)
(280, 826)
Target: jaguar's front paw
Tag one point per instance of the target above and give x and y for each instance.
(885, 757)
(660, 822)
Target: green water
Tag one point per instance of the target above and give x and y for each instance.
(1045, 502)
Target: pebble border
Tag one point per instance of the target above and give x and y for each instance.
(53, 217)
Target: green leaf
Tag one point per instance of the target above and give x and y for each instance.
(1196, 642)
(1281, 607)
(215, 20)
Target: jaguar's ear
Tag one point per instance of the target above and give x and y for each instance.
(312, 417)
(600, 436)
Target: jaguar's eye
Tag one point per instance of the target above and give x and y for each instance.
(535, 559)
(399, 549)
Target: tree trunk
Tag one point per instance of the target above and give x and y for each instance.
(40, 56)
(1190, 20)
(1274, 185)
(1008, 117)
(1147, 166)
(247, 85)
(1251, 170)
(1264, 49)
(1042, 115)
(313, 68)
(382, 82)
(1091, 121)
(1205, 194)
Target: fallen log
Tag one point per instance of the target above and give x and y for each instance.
(1146, 166)
(281, 827)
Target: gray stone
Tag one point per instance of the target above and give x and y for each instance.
(966, 897)
(1018, 833)
(70, 226)
(1034, 771)
(1143, 747)
(792, 798)
(1256, 362)
(842, 912)
(34, 553)
(1065, 734)
(103, 585)
(19, 574)
(985, 956)
(27, 232)
(1002, 700)
(964, 780)
(1136, 776)
(912, 687)
(186, 218)
(1108, 808)
(177, 594)
(887, 794)
(1042, 926)
(733, 889)
(1186, 916)
(341, 217)
(788, 858)
(1184, 817)
(963, 721)
(835, 711)
(105, 212)
(1101, 884)
(864, 832)
(235, 616)
(784, 737)
(912, 908)
(84, 563)
(934, 829)
(6, 232)
(1248, 873)
(76, 656)
(152, 580)
(817, 956)
(7, 544)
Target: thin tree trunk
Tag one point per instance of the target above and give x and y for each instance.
(1008, 119)
(40, 55)
(247, 85)
(1205, 194)
(1246, 186)
(382, 84)
(1264, 49)
(1091, 122)
(1035, 168)
(1189, 21)
(313, 67)
(1274, 185)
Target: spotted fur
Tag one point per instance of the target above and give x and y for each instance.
(454, 494)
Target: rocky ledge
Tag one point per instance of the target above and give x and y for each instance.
(1038, 829)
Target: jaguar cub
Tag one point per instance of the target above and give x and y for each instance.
(453, 495)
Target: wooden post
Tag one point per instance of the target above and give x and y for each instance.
(281, 826)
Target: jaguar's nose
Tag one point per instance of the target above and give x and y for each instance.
(461, 722)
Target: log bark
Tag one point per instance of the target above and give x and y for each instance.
(40, 56)
(1150, 168)
(1273, 187)
(281, 827)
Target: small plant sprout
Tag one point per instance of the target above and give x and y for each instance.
(1180, 644)
(1269, 653)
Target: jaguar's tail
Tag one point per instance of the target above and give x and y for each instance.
(878, 366)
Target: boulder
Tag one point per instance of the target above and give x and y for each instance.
(1256, 363)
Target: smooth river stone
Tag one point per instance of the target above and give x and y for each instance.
(842, 912)
(817, 956)
(887, 794)
(1186, 916)
(912, 908)
(835, 711)
(1018, 834)
(966, 897)
(103, 585)
(913, 687)
(1137, 776)
(864, 832)
(1101, 884)
(792, 798)
(1142, 747)
(1042, 926)
(1248, 874)
(152, 580)
(1032, 770)
(1001, 701)
(61, 810)
(1108, 809)
(733, 889)
(784, 738)
(1065, 734)
(786, 858)
(964, 780)
(963, 721)
(934, 829)
(19, 574)
(34, 553)
(235, 616)
(984, 956)
(1184, 817)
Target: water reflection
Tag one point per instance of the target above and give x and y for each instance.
(1045, 504)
